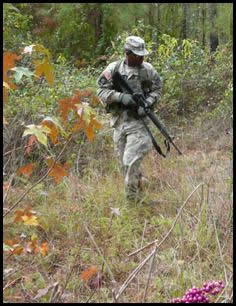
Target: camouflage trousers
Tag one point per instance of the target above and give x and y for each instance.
(131, 144)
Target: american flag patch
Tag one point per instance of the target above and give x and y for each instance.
(107, 75)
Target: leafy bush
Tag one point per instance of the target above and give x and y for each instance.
(16, 28)
(33, 100)
(192, 77)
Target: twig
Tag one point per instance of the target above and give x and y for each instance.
(91, 295)
(149, 274)
(55, 293)
(144, 230)
(133, 274)
(58, 293)
(27, 146)
(9, 187)
(25, 291)
(78, 156)
(100, 253)
(219, 247)
(174, 201)
(173, 225)
(12, 282)
(223, 291)
(39, 181)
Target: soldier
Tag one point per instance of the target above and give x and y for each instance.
(131, 140)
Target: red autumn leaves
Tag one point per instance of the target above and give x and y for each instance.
(20, 246)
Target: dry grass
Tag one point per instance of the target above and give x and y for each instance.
(87, 222)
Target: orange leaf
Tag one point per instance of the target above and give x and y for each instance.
(89, 132)
(43, 249)
(65, 107)
(97, 125)
(32, 246)
(9, 60)
(76, 98)
(11, 242)
(44, 68)
(26, 170)
(6, 186)
(68, 104)
(86, 275)
(5, 94)
(53, 131)
(17, 250)
(20, 213)
(94, 100)
(78, 125)
(58, 171)
(30, 220)
(31, 141)
(86, 93)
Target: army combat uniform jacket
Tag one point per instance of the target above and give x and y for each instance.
(142, 80)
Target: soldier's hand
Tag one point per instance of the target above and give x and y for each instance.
(140, 99)
(149, 104)
(127, 100)
(141, 111)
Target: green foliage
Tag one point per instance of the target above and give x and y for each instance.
(225, 22)
(117, 43)
(222, 82)
(70, 35)
(85, 30)
(224, 109)
(109, 29)
(16, 27)
(192, 78)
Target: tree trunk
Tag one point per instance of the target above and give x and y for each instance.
(203, 25)
(98, 22)
(184, 21)
(151, 12)
(214, 40)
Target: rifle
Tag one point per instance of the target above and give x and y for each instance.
(122, 85)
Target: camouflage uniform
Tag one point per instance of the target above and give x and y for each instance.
(131, 140)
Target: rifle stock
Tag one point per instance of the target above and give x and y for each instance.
(121, 84)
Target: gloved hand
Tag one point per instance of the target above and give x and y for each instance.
(127, 100)
(141, 111)
(150, 104)
(144, 102)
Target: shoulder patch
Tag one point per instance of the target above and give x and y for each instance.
(107, 75)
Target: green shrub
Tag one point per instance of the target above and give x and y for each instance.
(16, 28)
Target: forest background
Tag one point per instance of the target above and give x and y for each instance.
(67, 232)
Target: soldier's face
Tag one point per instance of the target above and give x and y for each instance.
(134, 60)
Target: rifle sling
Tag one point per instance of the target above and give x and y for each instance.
(156, 146)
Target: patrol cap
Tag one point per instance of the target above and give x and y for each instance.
(136, 45)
